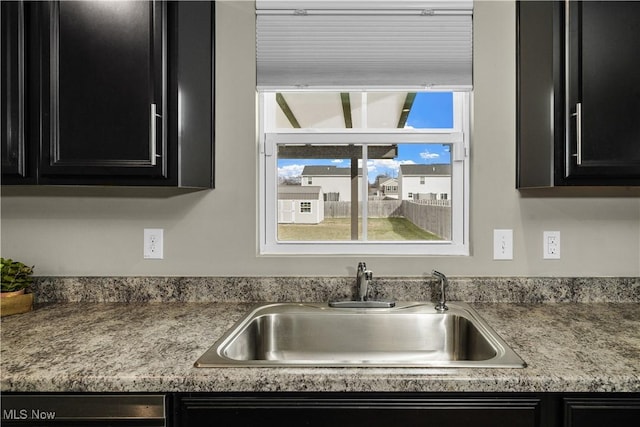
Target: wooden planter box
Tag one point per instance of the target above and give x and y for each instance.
(16, 304)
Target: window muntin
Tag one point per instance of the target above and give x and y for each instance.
(305, 207)
(287, 150)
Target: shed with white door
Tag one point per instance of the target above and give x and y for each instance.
(299, 204)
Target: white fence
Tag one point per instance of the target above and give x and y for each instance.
(436, 219)
(376, 209)
(432, 202)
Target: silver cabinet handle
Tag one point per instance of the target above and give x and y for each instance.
(578, 116)
(152, 135)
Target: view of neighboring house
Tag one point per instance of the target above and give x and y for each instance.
(417, 182)
(305, 203)
(388, 188)
(300, 204)
(335, 182)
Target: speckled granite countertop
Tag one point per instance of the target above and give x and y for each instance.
(150, 346)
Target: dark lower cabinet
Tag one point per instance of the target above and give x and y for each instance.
(597, 412)
(358, 411)
(406, 409)
(334, 409)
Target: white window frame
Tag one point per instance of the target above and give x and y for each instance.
(458, 137)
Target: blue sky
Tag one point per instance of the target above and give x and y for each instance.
(429, 110)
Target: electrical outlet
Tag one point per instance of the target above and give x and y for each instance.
(502, 244)
(551, 245)
(153, 242)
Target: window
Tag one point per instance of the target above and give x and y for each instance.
(352, 143)
(344, 103)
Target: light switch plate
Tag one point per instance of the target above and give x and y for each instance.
(503, 244)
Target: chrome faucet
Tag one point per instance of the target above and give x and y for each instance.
(362, 281)
(442, 305)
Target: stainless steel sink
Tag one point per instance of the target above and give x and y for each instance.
(407, 335)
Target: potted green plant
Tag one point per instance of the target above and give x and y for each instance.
(15, 277)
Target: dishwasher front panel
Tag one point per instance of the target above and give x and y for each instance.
(83, 410)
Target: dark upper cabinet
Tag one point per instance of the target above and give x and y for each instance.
(103, 96)
(16, 163)
(578, 95)
(107, 82)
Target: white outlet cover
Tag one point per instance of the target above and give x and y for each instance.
(153, 243)
(551, 245)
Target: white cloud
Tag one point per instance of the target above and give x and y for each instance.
(389, 167)
(290, 171)
(427, 155)
(337, 161)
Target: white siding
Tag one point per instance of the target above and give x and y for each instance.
(432, 184)
(335, 184)
(290, 211)
(312, 217)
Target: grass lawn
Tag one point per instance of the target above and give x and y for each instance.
(340, 229)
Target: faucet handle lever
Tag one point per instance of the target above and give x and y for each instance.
(439, 275)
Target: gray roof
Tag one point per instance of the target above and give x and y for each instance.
(426, 170)
(327, 171)
(299, 192)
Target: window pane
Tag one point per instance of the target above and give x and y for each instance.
(320, 196)
(388, 110)
(360, 110)
(431, 110)
(409, 197)
(315, 191)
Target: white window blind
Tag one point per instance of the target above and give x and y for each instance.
(364, 44)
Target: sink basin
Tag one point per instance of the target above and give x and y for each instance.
(407, 335)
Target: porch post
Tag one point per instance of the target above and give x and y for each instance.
(354, 198)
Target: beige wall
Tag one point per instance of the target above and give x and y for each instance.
(99, 232)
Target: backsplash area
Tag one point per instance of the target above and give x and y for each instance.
(317, 289)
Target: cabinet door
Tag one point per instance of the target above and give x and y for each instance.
(538, 105)
(337, 411)
(15, 165)
(604, 90)
(103, 82)
(594, 412)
